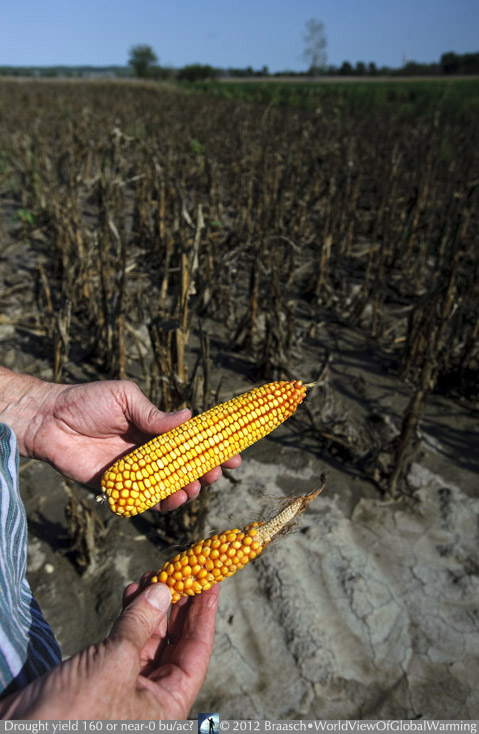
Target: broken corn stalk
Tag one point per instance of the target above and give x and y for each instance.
(210, 561)
(170, 461)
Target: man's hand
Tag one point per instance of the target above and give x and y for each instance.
(82, 429)
(145, 669)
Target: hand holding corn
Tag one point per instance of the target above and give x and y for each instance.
(165, 464)
(81, 429)
(148, 668)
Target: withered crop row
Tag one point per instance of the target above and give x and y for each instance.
(153, 211)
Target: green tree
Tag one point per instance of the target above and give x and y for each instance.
(196, 72)
(346, 69)
(315, 46)
(142, 59)
(450, 63)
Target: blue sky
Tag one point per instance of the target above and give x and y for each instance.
(234, 33)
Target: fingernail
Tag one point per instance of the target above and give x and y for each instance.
(159, 596)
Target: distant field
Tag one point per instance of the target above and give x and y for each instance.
(351, 94)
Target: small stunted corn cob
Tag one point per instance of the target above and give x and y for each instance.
(168, 462)
(210, 561)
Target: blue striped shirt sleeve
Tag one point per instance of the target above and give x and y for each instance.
(27, 645)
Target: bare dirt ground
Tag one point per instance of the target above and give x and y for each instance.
(369, 610)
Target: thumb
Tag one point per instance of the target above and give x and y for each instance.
(148, 418)
(140, 619)
(160, 422)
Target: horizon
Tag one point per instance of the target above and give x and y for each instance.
(329, 69)
(230, 35)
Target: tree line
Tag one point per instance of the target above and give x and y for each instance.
(143, 64)
(450, 63)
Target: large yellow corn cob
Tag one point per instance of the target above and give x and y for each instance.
(210, 561)
(170, 461)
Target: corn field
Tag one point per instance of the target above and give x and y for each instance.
(160, 227)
